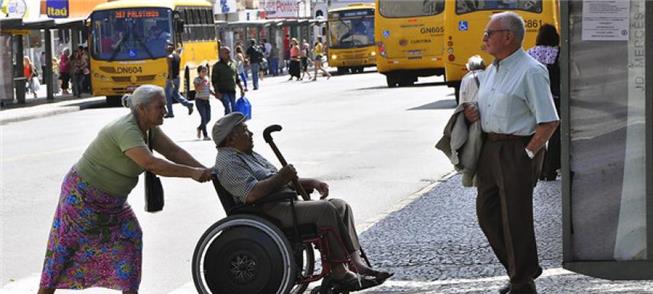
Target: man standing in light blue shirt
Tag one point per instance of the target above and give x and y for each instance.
(518, 116)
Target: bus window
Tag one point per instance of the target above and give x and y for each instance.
(131, 34)
(410, 8)
(467, 6)
(351, 31)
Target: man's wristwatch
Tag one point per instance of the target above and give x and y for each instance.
(530, 154)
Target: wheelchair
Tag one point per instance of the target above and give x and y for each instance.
(249, 253)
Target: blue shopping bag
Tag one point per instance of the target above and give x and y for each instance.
(243, 106)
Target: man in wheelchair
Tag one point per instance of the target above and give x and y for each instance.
(249, 178)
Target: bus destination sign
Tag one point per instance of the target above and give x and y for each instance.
(140, 13)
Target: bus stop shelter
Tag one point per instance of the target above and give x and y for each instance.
(607, 138)
(17, 29)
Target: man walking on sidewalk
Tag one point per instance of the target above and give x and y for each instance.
(224, 78)
(255, 56)
(517, 115)
(172, 83)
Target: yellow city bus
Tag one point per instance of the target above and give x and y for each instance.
(465, 22)
(128, 40)
(409, 35)
(351, 38)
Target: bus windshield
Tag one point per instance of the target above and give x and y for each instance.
(346, 30)
(410, 8)
(467, 6)
(131, 33)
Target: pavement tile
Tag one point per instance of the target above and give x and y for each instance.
(434, 245)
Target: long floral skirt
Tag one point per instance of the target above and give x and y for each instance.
(95, 240)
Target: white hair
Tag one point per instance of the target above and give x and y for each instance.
(142, 95)
(475, 62)
(513, 22)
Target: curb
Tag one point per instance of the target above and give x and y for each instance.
(368, 223)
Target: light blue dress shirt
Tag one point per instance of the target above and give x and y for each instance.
(515, 96)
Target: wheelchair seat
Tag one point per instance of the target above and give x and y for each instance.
(231, 207)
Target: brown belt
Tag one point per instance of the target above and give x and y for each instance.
(504, 137)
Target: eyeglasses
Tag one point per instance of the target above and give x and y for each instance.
(488, 34)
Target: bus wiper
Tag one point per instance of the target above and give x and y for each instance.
(140, 41)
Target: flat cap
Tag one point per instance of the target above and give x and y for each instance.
(223, 127)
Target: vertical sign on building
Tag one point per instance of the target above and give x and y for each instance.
(57, 8)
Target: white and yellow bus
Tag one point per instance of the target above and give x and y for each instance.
(465, 22)
(128, 43)
(409, 36)
(351, 38)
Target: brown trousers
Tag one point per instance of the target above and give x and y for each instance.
(504, 206)
(332, 213)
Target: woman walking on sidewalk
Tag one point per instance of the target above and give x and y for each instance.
(28, 72)
(294, 69)
(318, 52)
(303, 56)
(202, 94)
(241, 62)
(64, 71)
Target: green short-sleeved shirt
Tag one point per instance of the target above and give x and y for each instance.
(104, 164)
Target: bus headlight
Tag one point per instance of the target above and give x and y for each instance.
(373, 53)
(334, 57)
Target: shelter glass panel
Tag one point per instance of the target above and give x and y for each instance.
(607, 131)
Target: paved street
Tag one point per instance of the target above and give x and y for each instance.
(373, 145)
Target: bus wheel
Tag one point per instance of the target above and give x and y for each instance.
(390, 79)
(114, 101)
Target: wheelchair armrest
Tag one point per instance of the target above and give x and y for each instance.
(277, 197)
(255, 207)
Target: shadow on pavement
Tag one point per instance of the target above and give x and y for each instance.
(415, 85)
(440, 104)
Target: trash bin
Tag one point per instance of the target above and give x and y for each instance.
(19, 86)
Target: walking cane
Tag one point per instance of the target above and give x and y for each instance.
(268, 139)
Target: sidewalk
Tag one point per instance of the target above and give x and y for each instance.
(434, 245)
(41, 107)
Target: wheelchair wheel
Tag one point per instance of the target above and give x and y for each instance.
(243, 254)
(305, 260)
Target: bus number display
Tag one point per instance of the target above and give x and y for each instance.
(532, 24)
(137, 13)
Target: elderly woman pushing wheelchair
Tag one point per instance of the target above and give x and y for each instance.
(249, 177)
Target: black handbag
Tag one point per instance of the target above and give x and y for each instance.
(153, 188)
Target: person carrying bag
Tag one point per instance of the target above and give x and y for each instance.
(153, 188)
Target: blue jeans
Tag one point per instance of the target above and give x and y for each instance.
(243, 78)
(229, 102)
(274, 66)
(172, 92)
(204, 108)
(255, 69)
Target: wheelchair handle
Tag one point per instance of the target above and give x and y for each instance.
(268, 139)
